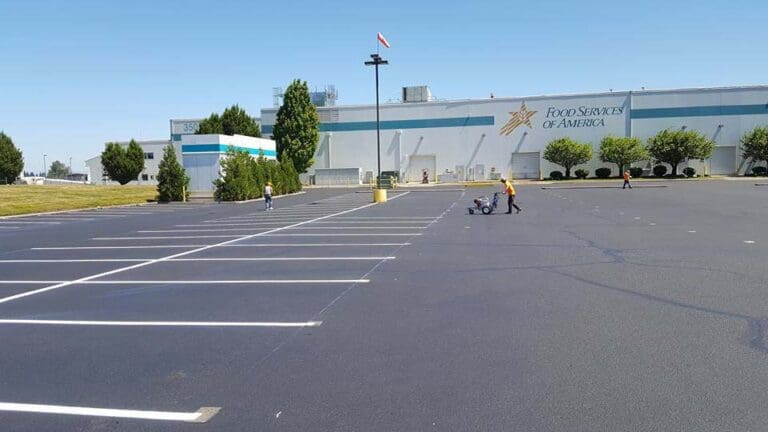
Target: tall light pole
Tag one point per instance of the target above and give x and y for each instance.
(376, 61)
(70, 165)
(45, 167)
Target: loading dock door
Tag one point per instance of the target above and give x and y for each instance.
(723, 161)
(525, 165)
(417, 164)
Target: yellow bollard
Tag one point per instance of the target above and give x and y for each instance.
(380, 195)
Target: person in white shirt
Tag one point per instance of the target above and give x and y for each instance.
(268, 197)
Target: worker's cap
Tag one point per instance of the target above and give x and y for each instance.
(502, 179)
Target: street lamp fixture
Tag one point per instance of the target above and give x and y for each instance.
(375, 61)
(45, 166)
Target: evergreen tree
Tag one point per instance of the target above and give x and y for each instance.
(234, 121)
(296, 127)
(123, 165)
(58, 170)
(172, 180)
(11, 160)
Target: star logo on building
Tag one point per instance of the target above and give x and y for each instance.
(522, 117)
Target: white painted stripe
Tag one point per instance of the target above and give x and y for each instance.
(164, 323)
(233, 259)
(19, 261)
(199, 230)
(385, 217)
(189, 282)
(179, 255)
(375, 258)
(17, 222)
(359, 227)
(749, 241)
(167, 237)
(194, 417)
(342, 234)
(28, 282)
(229, 245)
(230, 224)
(314, 244)
(63, 219)
(118, 247)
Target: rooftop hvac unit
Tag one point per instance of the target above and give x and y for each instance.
(417, 94)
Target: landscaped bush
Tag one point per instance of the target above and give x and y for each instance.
(581, 173)
(556, 175)
(244, 177)
(636, 172)
(659, 170)
(759, 171)
(689, 171)
(603, 172)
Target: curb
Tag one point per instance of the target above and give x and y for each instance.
(80, 209)
(604, 187)
(259, 199)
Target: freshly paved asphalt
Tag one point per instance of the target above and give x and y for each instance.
(592, 310)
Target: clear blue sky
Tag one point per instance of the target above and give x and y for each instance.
(74, 74)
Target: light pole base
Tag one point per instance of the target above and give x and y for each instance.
(380, 195)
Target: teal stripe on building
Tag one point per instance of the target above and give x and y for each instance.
(400, 124)
(698, 111)
(222, 148)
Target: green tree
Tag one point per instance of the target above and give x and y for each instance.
(754, 144)
(123, 165)
(622, 151)
(675, 146)
(296, 127)
(58, 170)
(567, 153)
(238, 182)
(172, 180)
(11, 160)
(234, 121)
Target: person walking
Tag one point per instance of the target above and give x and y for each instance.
(627, 176)
(268, 197)
(509, 190)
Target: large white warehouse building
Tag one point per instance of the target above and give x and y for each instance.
(484, 138)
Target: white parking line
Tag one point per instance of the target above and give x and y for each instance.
(199, 230)
(359, 227)
(231, 224)
(202, 415)
(119, 247)
(20, 261)
(163, 323)
(749, 241)
(180, 282)
(201, 245)
(168, 237)
(17, 222)
(342, 234)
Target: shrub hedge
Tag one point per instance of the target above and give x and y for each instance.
(689, 171)
(245, 177)
(556, 175)
(636, 172)
(659, 170)
(603, 172)
(581, 173)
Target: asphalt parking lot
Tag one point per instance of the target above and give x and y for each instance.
(593, 309)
